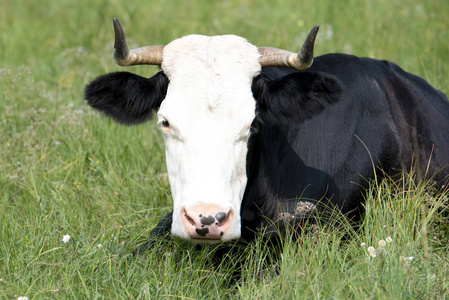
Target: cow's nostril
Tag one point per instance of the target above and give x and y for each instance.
(189, 219)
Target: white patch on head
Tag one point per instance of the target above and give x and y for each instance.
(209, 107)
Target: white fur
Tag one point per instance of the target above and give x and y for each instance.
(210, 108)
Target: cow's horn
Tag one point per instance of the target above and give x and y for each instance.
(271, 57)
(149, 55)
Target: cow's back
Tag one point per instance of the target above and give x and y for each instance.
(416, 113)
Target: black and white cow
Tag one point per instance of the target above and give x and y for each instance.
(252, 138)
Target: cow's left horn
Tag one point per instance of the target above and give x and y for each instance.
(273, 57)
(149, 55)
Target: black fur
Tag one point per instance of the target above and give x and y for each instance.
(127, 98)
(296, 96)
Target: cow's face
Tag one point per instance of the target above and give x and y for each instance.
(205, 107)
(205, 120)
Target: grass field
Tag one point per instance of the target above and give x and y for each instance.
(65, 170)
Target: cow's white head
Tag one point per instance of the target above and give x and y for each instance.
(205, 110)
(206, 119)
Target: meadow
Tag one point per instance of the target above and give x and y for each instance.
(68, 171)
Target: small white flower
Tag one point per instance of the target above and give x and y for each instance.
(372, 251)
(402, 258)
(22, 298)
(362, 244)
(381, 243)
(66, 238)
(99, 246)
(389, 240)
(57, 142)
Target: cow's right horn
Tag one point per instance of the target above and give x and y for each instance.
(273, 57)
(149, 55)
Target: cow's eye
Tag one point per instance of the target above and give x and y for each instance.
(165, 124)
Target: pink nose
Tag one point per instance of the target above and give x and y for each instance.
(206, 221)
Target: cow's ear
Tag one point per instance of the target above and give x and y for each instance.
(126, 97)
(299, 95)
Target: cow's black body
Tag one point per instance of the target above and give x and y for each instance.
(384, 120)
(320, 135)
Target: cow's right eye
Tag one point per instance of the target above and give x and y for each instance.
(165, 124)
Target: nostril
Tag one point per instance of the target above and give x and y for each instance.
(188, 218)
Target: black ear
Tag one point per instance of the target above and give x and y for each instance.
(299, 95)
(126, 97)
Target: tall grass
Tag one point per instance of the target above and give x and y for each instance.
(66, 170)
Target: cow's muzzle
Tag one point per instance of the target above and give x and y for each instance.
(207, 221)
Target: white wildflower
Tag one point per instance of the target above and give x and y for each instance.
(409, 258)
(362, 244)
(66, 238)
(22, 298)
(389, 240)
(372, 251)
(381, 243)
(99, 246)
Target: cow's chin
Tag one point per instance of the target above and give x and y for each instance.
(206, 241)
(212, 241)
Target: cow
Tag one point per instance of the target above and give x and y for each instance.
(256, 136)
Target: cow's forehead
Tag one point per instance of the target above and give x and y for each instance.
(227, 56)
(210, 76)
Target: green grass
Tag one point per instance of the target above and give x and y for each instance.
(67, 170)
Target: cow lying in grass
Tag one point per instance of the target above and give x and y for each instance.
(261, 136)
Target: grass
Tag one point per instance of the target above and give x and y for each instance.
(66, 170)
